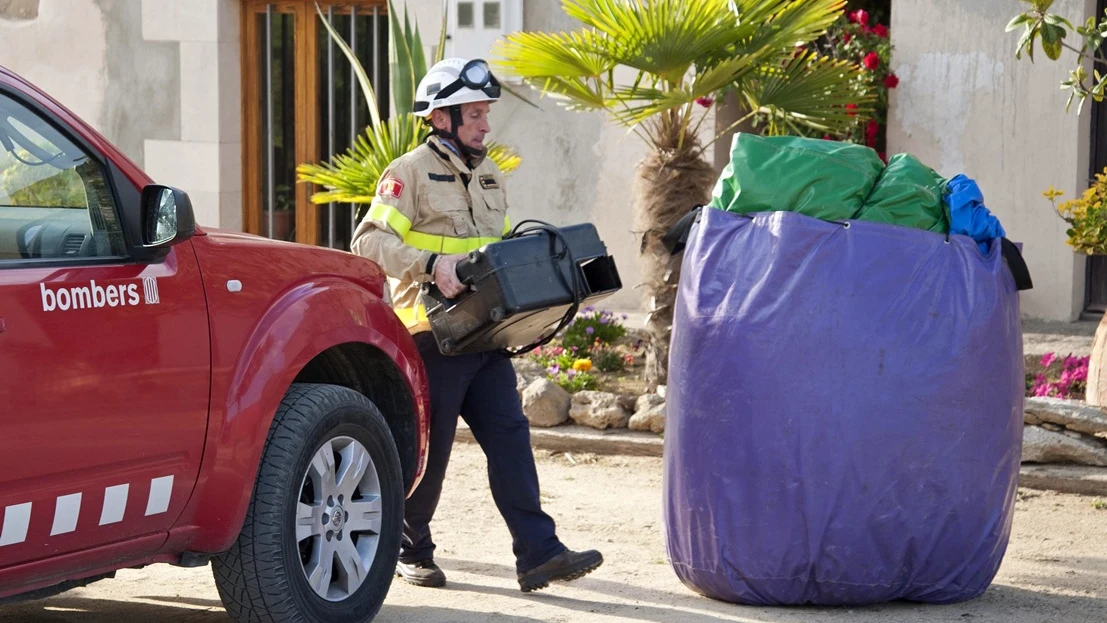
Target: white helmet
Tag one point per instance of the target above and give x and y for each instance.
(455, 81)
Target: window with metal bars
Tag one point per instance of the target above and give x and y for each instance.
(302, 103)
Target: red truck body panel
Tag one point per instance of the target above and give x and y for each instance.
(137, 396)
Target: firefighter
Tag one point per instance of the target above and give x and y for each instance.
(432, 206)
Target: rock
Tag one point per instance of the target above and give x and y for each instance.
(1051, 427)
(1043, 446)
(627, 402)
(1072, 414)
(598, 410)
(1066, 478)
(545, 403)
(526, 372)
(662, 390)
(528, 369)
(1073, 434)
(649, 414)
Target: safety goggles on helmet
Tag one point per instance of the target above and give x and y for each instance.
(476, 76)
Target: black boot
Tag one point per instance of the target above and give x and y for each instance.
(566, 566)
(421, 573)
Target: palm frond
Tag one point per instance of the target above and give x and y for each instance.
(401, 69)
(807, 90)
(362, 77)
(505, 157)
(663, 37)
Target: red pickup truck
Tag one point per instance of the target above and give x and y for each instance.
(179, 394)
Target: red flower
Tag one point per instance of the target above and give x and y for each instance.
(872, 128)
(706, 102)
(859, 17)
(892, 81)
(871, 60)
(851, 110)
(881, 31)
(866, 30)
(847, 37)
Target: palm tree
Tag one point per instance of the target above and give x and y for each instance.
(679, 52)
(352, 177)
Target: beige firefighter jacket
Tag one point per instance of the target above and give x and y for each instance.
(429, 204)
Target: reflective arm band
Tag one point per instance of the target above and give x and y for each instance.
(507, 225)
(387, 214)
(445, 245)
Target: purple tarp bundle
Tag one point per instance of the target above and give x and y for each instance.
(844, 424)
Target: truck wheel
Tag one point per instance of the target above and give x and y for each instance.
(322, 532)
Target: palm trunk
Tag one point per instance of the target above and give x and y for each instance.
(669, 183)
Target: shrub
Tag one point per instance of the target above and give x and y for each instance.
(590, 326)
(1086, 216)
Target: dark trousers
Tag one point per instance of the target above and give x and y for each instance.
(480, 388)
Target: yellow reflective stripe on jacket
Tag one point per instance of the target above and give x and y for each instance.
(412, 316)
(445, 245)
(430, 242)
(395, 219)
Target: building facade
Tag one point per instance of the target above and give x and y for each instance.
(223, 98)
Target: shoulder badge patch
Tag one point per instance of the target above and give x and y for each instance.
(488, 181)
(390, 186)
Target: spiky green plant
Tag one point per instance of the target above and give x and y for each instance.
(352, 177)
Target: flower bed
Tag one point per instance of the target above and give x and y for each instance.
(595, 352)
(1054, 376)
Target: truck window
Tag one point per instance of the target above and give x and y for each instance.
(55, 201)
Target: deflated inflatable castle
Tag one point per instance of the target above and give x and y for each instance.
(844, 424)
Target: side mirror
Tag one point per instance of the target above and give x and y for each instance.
(167, 217)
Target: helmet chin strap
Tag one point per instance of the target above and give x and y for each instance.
(468, 153)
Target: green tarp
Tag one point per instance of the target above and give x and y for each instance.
(829, 180)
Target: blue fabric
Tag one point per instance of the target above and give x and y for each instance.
(845, 414)
(967, 214)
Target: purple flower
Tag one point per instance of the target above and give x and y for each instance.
(572, 373)
(624, 316)
(1048, 359)
(603, 320)
(589, 309)
(589, 330)
(554, 369)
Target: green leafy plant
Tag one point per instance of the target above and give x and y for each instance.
(573, 381)
(1051, 30)
(1086, 216)
(352, 177)
(608, 358)
(590, 327)
(1100, 505)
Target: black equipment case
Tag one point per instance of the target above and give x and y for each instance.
(522, 289)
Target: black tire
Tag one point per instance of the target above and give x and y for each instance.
(263, 578)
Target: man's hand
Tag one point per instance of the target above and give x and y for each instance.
(445, 275)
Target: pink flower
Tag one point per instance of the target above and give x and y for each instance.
(871, 61)
(706, 102)
(859, 16)
(1047, 360)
